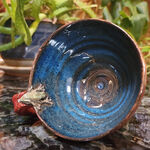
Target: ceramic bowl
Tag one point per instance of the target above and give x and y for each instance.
(95, 76)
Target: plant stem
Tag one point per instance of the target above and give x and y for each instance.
(35, 24)
(6, 6)
(85, 7)
(9, 45)
(5, 30)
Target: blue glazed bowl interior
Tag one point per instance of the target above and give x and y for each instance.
(91, 70)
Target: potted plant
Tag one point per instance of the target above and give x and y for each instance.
(23, 31)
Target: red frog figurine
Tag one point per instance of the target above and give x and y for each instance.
(20, 108)
(24, 101)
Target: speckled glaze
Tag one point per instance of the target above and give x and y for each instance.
(95, 75)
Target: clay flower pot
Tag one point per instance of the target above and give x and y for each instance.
(87, 80)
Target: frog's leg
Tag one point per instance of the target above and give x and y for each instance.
(36, 97)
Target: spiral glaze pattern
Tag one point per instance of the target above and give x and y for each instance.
(92, 72)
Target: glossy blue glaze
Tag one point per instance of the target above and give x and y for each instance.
(91, 71)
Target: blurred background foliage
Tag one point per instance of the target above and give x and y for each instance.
(131, 15)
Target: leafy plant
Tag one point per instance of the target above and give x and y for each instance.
(18, 10)
(145, 48)
(131, 15)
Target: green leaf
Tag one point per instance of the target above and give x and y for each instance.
(123, 14)
(63, 3)
(13, 35)
(125, 20)
(147, 38)
(146, 49)
(139, 22)
(20, 23)
(50, 3)
(60, 11)
(9, 45)
(18, 41)
(143, 9)
(6, 6)
(26, 1)
(5, 15)
(132, 36)
(35, 23)
(5, 30)
(106, 14)
(105, 2)
(36, 5)
(4, 18)
(116, 8)
(86, 8)
(131, 6)
(55, 4)
(126, 23)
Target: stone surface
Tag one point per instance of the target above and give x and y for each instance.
(28, 133)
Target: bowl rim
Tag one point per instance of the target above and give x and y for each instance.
(138, 99)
